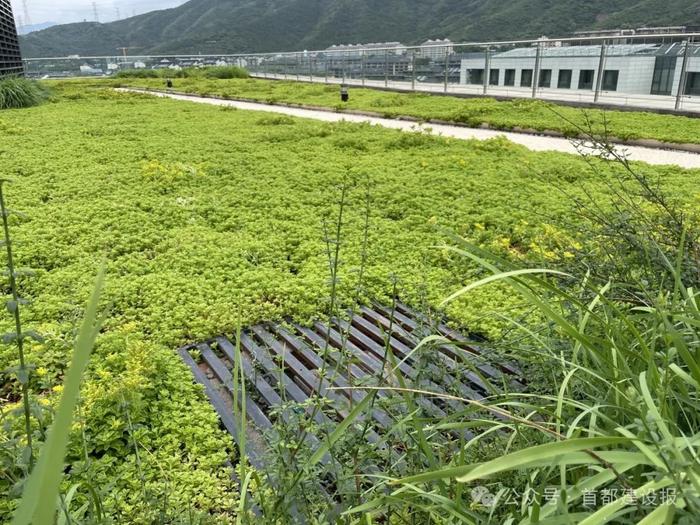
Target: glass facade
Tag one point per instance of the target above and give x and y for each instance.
(475, 76)
(585, 79)
(610, 78)
(664, 70)
(564, 81)
(692, 84)
(10, 57)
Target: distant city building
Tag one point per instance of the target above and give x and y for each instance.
(635, 69)
(436, 49)
(356, 50)
(10, 56)
(620, 36)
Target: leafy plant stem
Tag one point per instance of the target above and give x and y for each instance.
(23, 372)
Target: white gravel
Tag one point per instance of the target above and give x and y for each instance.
(532, 142)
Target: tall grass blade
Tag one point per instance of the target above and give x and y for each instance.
(42, 488)
(339, 431)
(556, 452)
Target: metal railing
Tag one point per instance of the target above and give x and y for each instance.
(660, 72)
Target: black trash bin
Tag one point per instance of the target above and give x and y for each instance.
(344, 93)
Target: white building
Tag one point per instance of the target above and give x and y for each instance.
(436, 49)
(635, 69)
(356, 50)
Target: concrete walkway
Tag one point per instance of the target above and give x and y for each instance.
(532, 142)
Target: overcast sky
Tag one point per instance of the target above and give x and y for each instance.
(63, 11)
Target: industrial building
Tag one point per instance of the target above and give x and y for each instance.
(10, 56)
(634, 69)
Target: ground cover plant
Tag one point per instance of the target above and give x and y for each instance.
(212, 219)
(220, 72)
(518, 113)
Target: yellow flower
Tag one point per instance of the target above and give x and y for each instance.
(58, 389)
(503, 242)
(41, 371)
(129, 327)
(479, 226)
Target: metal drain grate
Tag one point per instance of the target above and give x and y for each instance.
(282, 364)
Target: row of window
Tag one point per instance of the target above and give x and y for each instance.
(10, 59)
(564, 79)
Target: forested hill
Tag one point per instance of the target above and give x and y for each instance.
(218, 26)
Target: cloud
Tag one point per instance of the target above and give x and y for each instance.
(78, 10)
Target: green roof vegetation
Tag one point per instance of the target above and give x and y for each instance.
(506, 115)
(211, 218)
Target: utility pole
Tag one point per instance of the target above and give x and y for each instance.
(25, 9)
(119, 17)
(94, 11)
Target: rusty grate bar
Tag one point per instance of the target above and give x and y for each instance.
(282, 366)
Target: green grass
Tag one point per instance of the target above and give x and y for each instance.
(212, 218)
(519, 113)
(18, 92)
(220, 72)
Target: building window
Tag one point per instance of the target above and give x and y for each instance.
(10, 58)
(664, 71)
(494, 76)
(692, 84)
(610, 78)
(585, 79)
(475, 76)
(546, 78)
(509, 79)
(564, 81)
(526, 78)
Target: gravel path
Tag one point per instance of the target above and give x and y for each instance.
(532, 142)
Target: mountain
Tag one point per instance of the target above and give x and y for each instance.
(231, 26)
(26, 29)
